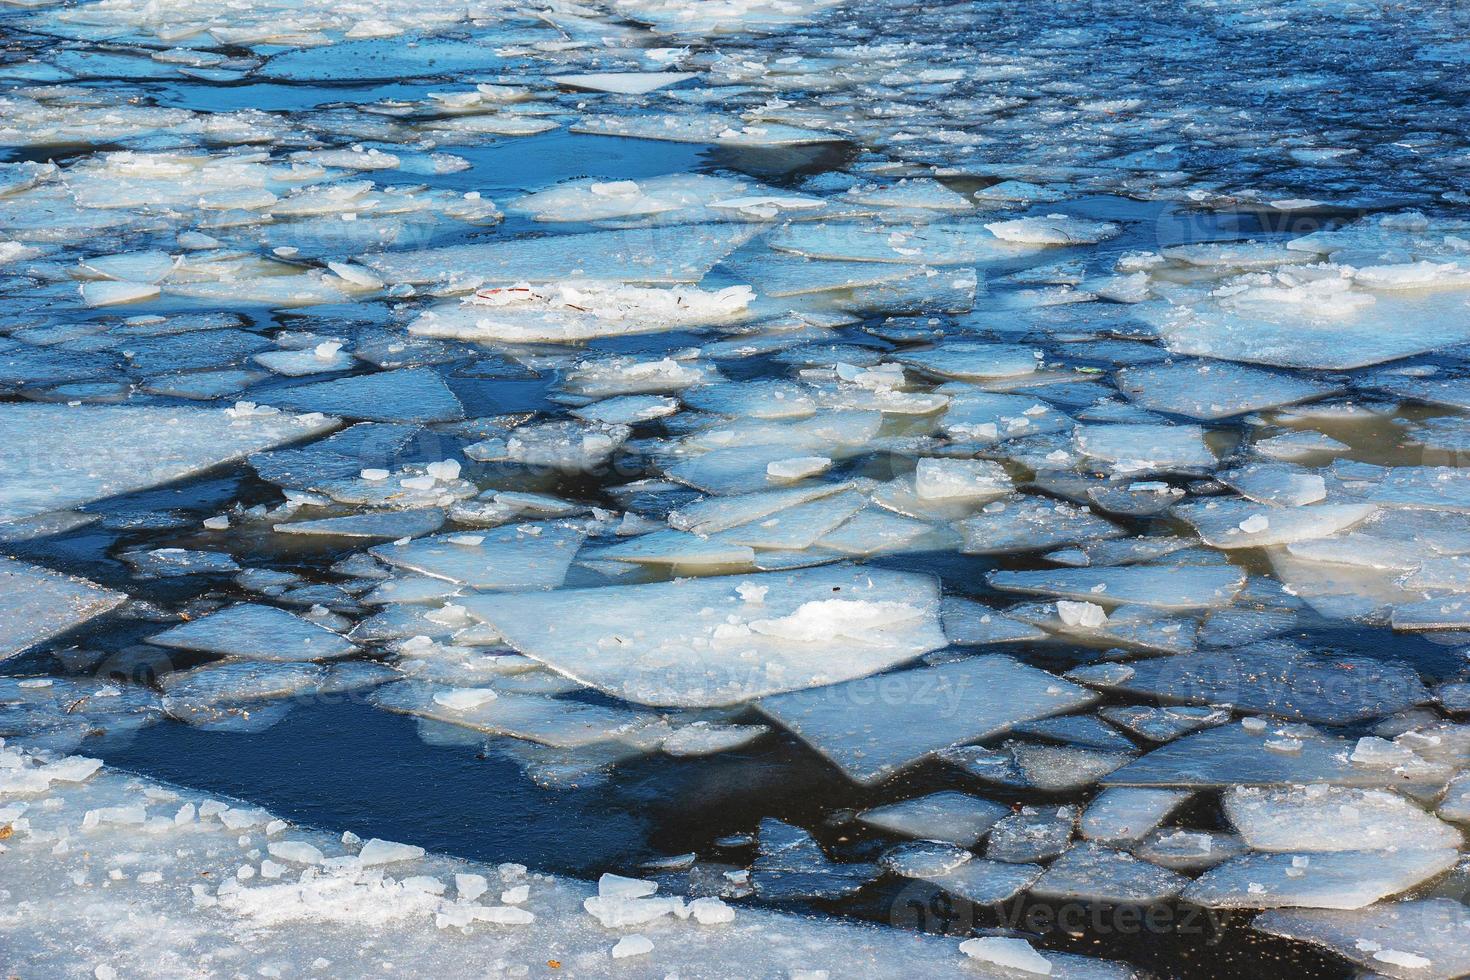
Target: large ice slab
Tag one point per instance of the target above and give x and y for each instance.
(723, 640)
(872, 728)
(58, 456)
(37, 604)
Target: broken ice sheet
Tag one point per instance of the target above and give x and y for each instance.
(946, 816)
(255, 632)
(874, 727)
(37, 604)
(723, 640)
(56, 456)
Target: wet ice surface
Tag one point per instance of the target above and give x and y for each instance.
(863, 470)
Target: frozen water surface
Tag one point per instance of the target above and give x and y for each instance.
(879, 489)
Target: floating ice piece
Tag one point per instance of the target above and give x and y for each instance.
(516, 557)
(946, 816)
(872, 728)
(1032, 833)
(1325, 324)
(1178, 588)
(970, 623)
(1188, 850)
(1422, 938)
(1126, 813)
(588, 199)
(572, 312)
(622, 83)
(720, 130)
(630, 256)
(1163, 724)
(920, 859)
(37, 604)
(1235, 755)
(1297, 443)
(563, 444)
(1045, 767)
(677, 549)
(1243, 524)
(969, 360)
(188, 692)
(549, 721)
(986, 417)
(933, 244)
(1090, 872)
(707, 738)
(960, 479)
(108, 293)
(793, 865)
(700, 643)
(1280, 484)
(1139, 447)
(1332, 818)
(1283, 680)
(1031, 524)
(1214, 389)
(1007, 954)
(59, 456)
(390, 525)
(1324, 880)
(986, 882)
(407, 395)
(1054, 229)
(255, 632)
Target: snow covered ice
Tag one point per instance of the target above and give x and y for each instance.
(777, 488)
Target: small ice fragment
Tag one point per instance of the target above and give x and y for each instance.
(634, 945)
(1086, 614)
(1255, 524)
(378, 851)
(616, 886)
(797, 467)
(1008, 953)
